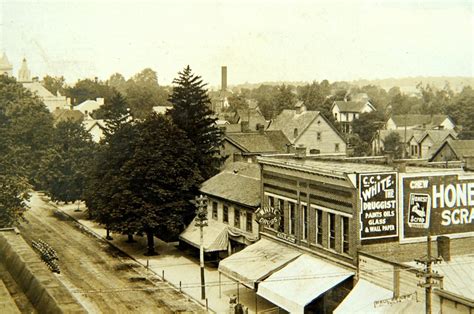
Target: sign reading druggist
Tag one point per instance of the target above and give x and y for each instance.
(378, 196)
(444, 203)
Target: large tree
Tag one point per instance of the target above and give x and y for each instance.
(144, 178)
(54, 84)
(191, 114)
(64, 168)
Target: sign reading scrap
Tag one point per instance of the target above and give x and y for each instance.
(378, 196)
(445, 204)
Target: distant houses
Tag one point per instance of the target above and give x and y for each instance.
(310, 129)
(346, 111)
(420, 121)
(454, 150)
(89, 106)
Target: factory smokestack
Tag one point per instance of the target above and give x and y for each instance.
(224, 78)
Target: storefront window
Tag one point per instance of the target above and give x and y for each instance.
(345, 235)
(281, 223)
(225, 215)
(291, 209)
(304, 211)
(319, 227)
(236, 218)
(332, 230)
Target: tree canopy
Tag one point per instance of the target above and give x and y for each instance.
(191, 113)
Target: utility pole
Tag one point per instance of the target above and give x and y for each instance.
(428, 273)
(201, 221)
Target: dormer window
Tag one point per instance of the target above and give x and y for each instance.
(295, 132)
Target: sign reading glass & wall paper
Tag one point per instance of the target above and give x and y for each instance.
(444, 203)
(378, 196)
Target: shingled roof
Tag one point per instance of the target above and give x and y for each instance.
(349, 106)
(412, 120)
(288, 120)
(256, 142)
(60, 115)
(239, 183)
(461, 148)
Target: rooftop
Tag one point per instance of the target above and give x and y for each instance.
(245, 176)
(419, 119)
(289, 120)
(256, 142)
(350, 106)
(342, 166)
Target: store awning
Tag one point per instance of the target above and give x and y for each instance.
(300, 282)
(257, 261)
(215, 236)
(363, 296)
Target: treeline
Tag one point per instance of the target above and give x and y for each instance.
(138, 180)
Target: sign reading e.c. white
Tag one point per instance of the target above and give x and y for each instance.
(444, 203)
(378, 196)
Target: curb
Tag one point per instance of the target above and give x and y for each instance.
(95, 234)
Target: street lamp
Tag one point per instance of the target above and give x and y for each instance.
(201, 221)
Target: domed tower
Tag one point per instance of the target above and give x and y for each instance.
(5, 65)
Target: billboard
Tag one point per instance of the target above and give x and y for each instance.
(378, 205)
(444, 203)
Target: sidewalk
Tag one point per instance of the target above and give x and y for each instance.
(178, 268)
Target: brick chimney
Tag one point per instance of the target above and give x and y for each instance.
(300, 151)
(223, 78)
(444, 248)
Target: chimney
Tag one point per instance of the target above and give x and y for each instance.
(400, 165)
(100, 100)
(224, 78)
(68, 103)
(260, 128)
(300, 107)
(444, 248)
(300, 151)
(244, 126)
(469, 163)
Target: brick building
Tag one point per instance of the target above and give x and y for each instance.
(352, 219)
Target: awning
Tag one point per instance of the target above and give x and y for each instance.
(257, 261)
(215, 237)
(363, 296)
(300, 282)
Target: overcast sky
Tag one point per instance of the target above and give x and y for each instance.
(259, 40)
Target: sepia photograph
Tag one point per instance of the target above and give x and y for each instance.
(237, 156)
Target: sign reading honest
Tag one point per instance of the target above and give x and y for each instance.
(444, 203)
(378, 196)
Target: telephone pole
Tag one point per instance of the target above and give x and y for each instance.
(201, 221)
(428, 273)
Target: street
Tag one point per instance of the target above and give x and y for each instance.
(102, 278)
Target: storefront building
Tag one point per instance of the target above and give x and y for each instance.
(334, 211)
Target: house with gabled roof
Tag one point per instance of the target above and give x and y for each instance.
(89, 106)
(423, 145)
(233, 197)
(96, 128)
(345, 112)
(309, 129)
(420, 121)
(452, 150)
(246, 145)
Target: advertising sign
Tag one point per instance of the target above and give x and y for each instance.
(378, 196)
(444, 203)
(267, 216)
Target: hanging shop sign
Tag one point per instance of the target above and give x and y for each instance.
(378, 201)
(442, 203)
(267, 216)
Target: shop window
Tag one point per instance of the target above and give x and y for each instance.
(332, 230)
(304, 212)
(214, 210)
(291, 214)
(236, 218)
(225, 214)
(281, 221)
(248, 225)
(345, 234)
(319, 227)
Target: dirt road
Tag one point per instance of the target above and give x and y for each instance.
(103, 279)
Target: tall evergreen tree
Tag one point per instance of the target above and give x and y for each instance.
(191, 113)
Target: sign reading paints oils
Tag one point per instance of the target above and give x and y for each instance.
(444, 203)
(378, 196)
